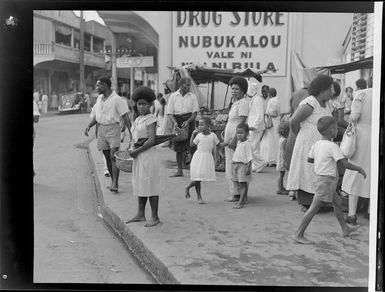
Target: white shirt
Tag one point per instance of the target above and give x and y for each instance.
(35, 109)
(110, 110)
(36, 96)
(45, 97)
(243, 153)
(257, 108)
(325, 154)
(179, 104)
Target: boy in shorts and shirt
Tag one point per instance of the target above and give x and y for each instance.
(328, 159)
(241, 166)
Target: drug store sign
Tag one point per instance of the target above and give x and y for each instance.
(231, 40)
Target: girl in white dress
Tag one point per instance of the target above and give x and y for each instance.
(202, 166)
(147, 179)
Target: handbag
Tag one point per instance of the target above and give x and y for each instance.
(348, 143)
(181, 134)
(268, 122)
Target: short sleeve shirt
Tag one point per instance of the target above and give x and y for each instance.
(110, 110)
(179, 104)
(243, 153)
(325, 154)
(139, 128)
(35, 109)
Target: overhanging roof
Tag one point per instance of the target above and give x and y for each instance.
(366, 63)
(204, 75)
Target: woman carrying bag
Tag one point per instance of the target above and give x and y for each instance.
(361, 118)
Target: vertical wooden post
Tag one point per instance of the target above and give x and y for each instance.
(82, 87)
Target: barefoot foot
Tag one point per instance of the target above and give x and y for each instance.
(136, 219)
(349, 230)
(301, 239)
(200, 201)
(152, 223)
(238, 206)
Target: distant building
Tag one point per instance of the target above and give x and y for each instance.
(56, 54)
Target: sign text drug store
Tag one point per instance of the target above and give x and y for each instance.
(231, 40)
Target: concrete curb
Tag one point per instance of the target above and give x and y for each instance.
(159, 271)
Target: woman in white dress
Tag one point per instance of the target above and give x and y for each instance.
(270, 139)
(303, 134)
(361, 117)
(147, 178)
(238, 114)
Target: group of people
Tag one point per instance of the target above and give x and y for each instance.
(302, 143)
(44, 101)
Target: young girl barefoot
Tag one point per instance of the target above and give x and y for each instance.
(283, 131)
(147, 179)
(241, 166)
(202, 167)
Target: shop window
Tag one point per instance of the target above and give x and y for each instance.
(87, 42)
(63, 35)
(98, 46)
(77, 39)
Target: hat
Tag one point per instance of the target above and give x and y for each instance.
(252, 89)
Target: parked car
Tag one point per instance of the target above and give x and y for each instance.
(72, 102)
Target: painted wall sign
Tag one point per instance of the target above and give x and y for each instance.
(231, 40)
(132, 62)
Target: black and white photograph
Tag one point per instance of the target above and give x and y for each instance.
(206, 147)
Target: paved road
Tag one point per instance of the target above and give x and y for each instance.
(72, 244)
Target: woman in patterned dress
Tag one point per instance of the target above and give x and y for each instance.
(238, 114)
(303, 134)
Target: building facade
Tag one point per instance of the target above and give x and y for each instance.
(56, 51)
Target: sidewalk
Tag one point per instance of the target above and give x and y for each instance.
(213, 244)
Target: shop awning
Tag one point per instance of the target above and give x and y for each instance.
(366, 63)
(204, 75)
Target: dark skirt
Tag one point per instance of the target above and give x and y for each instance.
(181, 146)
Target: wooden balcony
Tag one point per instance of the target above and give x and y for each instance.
(52, 51)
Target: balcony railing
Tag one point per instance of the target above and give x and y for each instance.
(43, 49)
(66, 53)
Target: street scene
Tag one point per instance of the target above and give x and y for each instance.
(214, 148)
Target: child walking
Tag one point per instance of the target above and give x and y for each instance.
(283, 131)
(328, 160)
(202, 166)
(241, 166)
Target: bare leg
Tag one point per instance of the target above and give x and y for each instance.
(115, 170)
(154, 202)
(353, 201)
(192, 184)
(140, 216)
(107, 156)
(281, 189)
(306, 219)
(179, 158)
(198, 190)
(243, 193)
(346, 229)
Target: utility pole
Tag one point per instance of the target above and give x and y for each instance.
(82, 85)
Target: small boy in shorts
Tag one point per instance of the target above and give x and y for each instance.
(241, 166)
(328, 159)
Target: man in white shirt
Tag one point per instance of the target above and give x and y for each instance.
(182, 110)
(257, 109)
(107, 112)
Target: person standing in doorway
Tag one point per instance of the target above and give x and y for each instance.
(44, 100)
(182, 110)
(108, 111)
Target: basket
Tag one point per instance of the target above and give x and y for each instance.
(123, 161)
